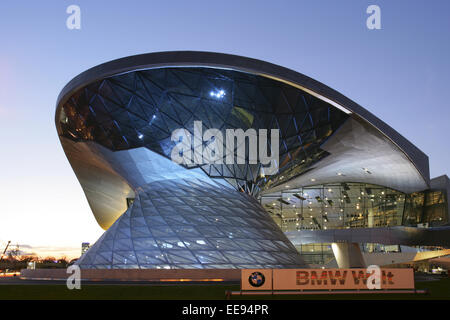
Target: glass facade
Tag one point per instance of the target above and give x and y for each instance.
(428, 208)
(353, 205)
(316, 253)
(192, 224)
(177, 220)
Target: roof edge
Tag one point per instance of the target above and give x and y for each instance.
(240, 63)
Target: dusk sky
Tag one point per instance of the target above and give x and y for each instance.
(400, 73)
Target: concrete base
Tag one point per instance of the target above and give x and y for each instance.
(154, 275)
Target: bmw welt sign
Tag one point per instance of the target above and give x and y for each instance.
(327, 279)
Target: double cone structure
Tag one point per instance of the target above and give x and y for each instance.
(116, 123)
(188, 223)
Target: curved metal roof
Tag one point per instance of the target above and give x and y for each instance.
(239, 63)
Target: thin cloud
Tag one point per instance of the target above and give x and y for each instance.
(43, 251)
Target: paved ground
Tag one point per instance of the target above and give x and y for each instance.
(420, 277)
(437, 290)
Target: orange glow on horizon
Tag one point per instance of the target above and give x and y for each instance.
(187, 280)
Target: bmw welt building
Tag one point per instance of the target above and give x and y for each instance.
(200, 160)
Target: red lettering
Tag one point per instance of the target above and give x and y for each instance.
(362, 275)
(337, 276)
(302, 277)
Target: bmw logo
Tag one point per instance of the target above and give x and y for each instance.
(256, 279)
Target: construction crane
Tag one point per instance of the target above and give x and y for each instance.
(4, 251)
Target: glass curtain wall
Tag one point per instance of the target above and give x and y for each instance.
(335, 206)
(351, 205)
